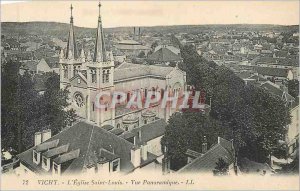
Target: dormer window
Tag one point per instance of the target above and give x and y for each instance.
(36, 158)
(115, 165)
(56, 169)
(45, 163)
(78, 80)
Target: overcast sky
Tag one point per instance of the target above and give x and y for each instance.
(152, 13)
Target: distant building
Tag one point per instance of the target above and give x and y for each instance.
(132, 47)
(35, 67)
(165, 55)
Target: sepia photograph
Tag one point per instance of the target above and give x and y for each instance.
(150, 95)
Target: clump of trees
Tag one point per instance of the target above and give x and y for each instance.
(24, 111)
(254, 118)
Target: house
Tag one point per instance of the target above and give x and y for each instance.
(292, 136)
(280, 91)
(205, 162)
(85, 148)
(164, 55)
(35, 67)
(132, 47)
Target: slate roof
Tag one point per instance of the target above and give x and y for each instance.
(30, 65)
(207, 162)
(127, 70)
(56, 151)
(276, 90)
(67, 156)
(150, 131)
(47, 145)
(268, 71)
(164, 55)
(88, 139)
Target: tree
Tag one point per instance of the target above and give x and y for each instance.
(254, 118)
(293, 88)
(221, 168)
(25, 112)
(186, 131)
(154, 45)
(142, 54)
(56, 102)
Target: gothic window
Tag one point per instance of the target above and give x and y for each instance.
(93, 106)
(78, 100)
(118, 126)
(94, 77)
(65, 72)
(107, 76)
(103, 76)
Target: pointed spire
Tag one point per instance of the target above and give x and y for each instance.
(99, 55)
(89, 57)
(61, 55)
(82, 55)
(71, 46)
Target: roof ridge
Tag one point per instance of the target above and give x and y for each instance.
(87, 152)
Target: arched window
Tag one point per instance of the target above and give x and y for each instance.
(94, 77)
(103, 76)
(118, 125)
(107, 76)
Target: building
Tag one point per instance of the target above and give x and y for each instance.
(107, 140)
(292, 136)
(35, 67)
(87, 76)
(165, 55)
(205, 162)
(132, 47)
(83, 148)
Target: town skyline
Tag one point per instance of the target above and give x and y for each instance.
(152, 13)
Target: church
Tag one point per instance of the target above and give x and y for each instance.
(87, 75)
(105, 140)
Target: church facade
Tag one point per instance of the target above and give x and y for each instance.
(86, 74)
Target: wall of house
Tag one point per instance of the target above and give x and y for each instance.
(293, 129)
(154, 146)
(43, 67)
(22, 170)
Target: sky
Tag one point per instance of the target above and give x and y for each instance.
(154, 13)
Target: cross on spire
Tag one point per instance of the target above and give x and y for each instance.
(71, 10)
(99, 5)
(71, 13)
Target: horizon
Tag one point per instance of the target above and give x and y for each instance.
(153, 13)
(55, 22)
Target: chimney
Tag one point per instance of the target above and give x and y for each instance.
(46, 134)
(136, 156)
(37, 138)
(144, 151)
(204, 145)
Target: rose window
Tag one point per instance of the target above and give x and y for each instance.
(78, 100)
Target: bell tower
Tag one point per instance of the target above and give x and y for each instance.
(100, 73)
(68, 60)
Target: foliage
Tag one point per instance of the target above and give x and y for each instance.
(251, 116)
(142, 54)
(24, 111)
(186, 131)
(293, 88)
(221, 168)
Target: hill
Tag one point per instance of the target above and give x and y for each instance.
(61, 29)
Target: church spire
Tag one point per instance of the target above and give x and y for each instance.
(71, 47)
(100, 52)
